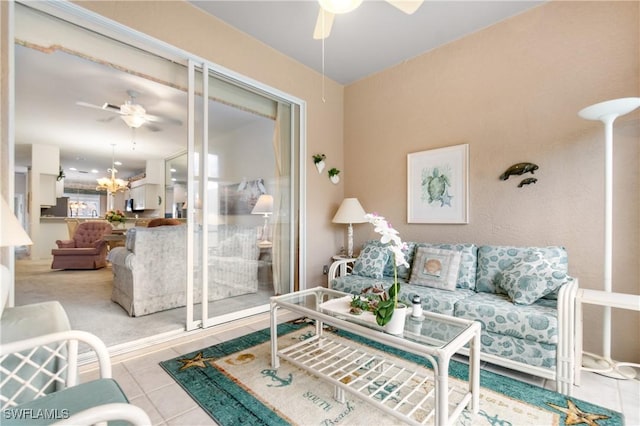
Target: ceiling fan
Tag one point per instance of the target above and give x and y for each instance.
(133, 114)
(330, 8)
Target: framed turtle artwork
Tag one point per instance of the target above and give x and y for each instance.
(438, 185)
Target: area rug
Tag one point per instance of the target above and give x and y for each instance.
(234, 383)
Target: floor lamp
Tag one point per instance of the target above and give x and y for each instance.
(607, 112)
(350, 212)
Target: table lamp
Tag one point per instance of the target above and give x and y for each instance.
(11, 234)
(264, 206)
(350, 212)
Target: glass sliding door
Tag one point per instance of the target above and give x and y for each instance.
(242, 211)
(238, 143)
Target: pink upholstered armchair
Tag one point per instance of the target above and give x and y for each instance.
(87, 249)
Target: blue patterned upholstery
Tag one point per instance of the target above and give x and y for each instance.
(469, 261)
(433, 299)
(494, 260)
(499, 315)
(524, 333)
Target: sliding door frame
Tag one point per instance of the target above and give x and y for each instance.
(89, 20)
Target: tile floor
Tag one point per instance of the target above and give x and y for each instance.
(149, 387)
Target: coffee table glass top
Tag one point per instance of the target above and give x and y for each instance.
(430, 329)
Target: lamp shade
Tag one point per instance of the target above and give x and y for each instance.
(350, 211)
(264, 205)
(11, 232)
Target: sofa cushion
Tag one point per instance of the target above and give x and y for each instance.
(370, 263)
(494, 260)
(468, 262)
(71, 400)
(531, 278)
(519, 350)
(403, 271)
(435, 268)
(537, 322)
(466, 274)
(433, 299)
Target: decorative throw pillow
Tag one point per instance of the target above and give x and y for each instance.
(371, 262)
(437, 268)
(531, 278)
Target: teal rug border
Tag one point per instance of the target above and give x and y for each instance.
(232, 404)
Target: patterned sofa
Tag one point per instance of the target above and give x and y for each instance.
(233, 261)
(522, 296)
(149, 274)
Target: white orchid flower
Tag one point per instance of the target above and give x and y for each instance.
(389, 237)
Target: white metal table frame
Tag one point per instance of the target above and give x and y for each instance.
(607, 299)
(439, 356)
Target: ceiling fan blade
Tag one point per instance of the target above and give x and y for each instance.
(159, 119)
(106, 107)
(407, 6)
(323, 24)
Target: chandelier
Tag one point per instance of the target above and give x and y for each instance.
(111, 185)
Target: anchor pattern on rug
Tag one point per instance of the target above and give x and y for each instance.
(381, 389)
(197, 361)
(273, 374)
(576, 416)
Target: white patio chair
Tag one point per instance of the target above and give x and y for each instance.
(24, 363)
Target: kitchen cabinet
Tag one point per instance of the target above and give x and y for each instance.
(146, 197)
(47, 192)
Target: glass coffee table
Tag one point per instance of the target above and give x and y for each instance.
(418, 395)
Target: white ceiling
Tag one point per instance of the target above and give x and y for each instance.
(48, 85)
(371, 38)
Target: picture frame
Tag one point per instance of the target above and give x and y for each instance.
(240, 198)
(438, 185)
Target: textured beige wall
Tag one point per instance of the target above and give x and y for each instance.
(512, 92)
(186, 27)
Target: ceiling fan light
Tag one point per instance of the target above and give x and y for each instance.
(339, 6)
(132, 109)
(133, 121)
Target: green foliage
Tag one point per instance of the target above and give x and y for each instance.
(378, 301)
(318, 158)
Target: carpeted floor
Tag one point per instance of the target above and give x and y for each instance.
(234, 382)
(86, 297)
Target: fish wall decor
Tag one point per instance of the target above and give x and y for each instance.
(527, 181)
(519, 169)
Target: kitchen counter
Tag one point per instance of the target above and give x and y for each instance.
(62, 218)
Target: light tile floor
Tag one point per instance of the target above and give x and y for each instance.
(148, 386)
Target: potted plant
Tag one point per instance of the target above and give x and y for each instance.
(318, 160)
(115, 217)
(333, 175)
(384, 304)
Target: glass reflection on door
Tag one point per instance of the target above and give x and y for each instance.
(244, 204)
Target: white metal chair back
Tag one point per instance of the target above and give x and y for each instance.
(32, 367)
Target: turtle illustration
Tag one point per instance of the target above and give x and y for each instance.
(435, 188)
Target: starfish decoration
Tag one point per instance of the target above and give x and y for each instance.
(196, 361)
(576, 416)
